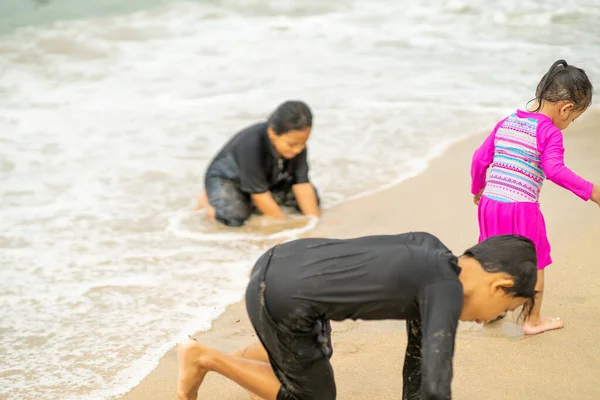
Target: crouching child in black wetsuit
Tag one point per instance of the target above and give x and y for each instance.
(298, 287)
(263, 167)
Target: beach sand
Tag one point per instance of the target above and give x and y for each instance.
(489, 363)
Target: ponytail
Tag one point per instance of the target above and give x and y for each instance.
(564, 82)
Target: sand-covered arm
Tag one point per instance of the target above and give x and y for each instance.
(430, 351)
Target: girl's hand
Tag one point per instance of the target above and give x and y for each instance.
(477, 197)
(596, 194)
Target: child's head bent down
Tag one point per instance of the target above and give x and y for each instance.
(289, 128)
(498, 275)
(563, 94)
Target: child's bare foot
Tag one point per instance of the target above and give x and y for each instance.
(210, 211)
(543, 324)
(203, 203)
(191, 373)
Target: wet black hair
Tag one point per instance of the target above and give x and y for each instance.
(564, 82)
(513, 255)
(291, 115)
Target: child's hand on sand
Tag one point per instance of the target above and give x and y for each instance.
(477, 197)
(596, 194)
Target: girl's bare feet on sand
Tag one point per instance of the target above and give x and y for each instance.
(191, 373)
(543, 324)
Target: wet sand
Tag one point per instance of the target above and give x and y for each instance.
(489, 363)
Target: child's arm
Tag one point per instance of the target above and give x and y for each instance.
(267, 205)
(253, 180)
(481, 161)
(306, 198)
(550, 145)
(431, 351)
(302, 188)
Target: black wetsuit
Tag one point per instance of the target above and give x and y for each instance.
(297, 287)
(248, 164)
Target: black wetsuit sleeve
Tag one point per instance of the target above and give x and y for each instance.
(430, 350)
(253, 177)
(301, 168)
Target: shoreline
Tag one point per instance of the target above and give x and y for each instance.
(305, 231)
(442, 207)
(238, 307)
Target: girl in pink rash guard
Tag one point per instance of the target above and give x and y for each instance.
(524, 149)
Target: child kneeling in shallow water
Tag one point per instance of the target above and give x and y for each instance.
(297, 288)
(263, 167)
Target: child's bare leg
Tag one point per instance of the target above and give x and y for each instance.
(256, 352)
(536, 323)
(203, 203)
(196, 360)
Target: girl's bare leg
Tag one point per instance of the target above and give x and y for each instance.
(536, 323)
(196, 360)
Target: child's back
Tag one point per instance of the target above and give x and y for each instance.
(527, 147)
(516, 173)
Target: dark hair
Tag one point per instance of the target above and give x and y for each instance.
(513, 255)
(565, 82)
(290, 116)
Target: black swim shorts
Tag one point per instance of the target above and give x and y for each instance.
(299, 356)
